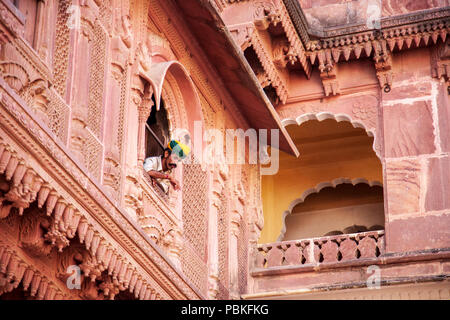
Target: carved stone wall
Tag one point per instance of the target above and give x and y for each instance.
(72, 190)
(62, 48)
(223, 238)
(195, 224)
(243, 249)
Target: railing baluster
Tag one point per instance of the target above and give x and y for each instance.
(332, 249)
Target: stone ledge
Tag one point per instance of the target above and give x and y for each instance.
(385, 259)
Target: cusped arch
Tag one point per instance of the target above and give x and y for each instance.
(174, 104)
(321, 116)
(156, 76)
(334, 183)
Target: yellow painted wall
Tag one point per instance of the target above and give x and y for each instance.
(340, 155)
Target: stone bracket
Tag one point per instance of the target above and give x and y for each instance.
(328, 73)
(440, 61)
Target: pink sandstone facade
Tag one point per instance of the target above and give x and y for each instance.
(359, 91)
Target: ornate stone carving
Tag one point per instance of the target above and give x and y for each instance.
(366, 113)
(328, 71)
(264, 14)
(32, 230)
(143, 58)
(173, 242)
(440, 61)
(383, 64)
(133, 193)
(242, 35)
(11, 21)
(15, 75)
(280, 49)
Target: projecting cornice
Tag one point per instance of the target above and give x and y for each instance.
(283, 41)
(326, 48)
(416, 26)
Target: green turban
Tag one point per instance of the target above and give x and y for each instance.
(181, 150)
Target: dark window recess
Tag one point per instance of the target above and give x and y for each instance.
(156, 131)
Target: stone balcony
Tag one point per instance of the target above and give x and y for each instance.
(318, 253)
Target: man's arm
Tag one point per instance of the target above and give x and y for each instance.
(160, 175)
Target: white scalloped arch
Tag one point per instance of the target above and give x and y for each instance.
(334, 183)
(156, 76)
(321, 116)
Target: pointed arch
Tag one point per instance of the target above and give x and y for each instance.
(156, 76)
(321, 116)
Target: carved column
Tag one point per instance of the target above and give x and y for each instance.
(115, 112)
(42, 35)
(132, 190)
(256, 224)
(218, 184)
(213, 248)
(80, 83)
(236, 219)
(144, 112)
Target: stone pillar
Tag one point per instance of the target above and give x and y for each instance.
(115, 111)
(416, 161)
(132, 191)
(213, 246)
(255, 226)
(144, 113)
(42, 35)
(80, 83)
(235, 223)
(218, 175)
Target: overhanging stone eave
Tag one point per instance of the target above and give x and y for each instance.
(306, 33)
(266, 113)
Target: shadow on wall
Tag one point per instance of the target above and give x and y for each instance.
(347, 208)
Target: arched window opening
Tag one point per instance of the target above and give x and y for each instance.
(341, 210)
(156, 131)
(157, 137)
(335, 154)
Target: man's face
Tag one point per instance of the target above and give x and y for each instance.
(171, 164)
(168, 162)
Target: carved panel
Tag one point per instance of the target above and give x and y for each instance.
(97, 80)
(223, 234)
(195, 208)
(243, 256)
(195, 225)
(43, 154)
(194, 268)
(61, 53)
(58, 115)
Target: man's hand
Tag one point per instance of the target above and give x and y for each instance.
(174, 183)
(159, 175)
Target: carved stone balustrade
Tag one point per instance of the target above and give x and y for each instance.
(337, 250)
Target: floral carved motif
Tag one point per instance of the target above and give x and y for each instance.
(73, 223)
(366, 113)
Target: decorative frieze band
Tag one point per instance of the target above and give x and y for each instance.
(102, 218)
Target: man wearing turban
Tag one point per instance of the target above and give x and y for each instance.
(160, 168)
